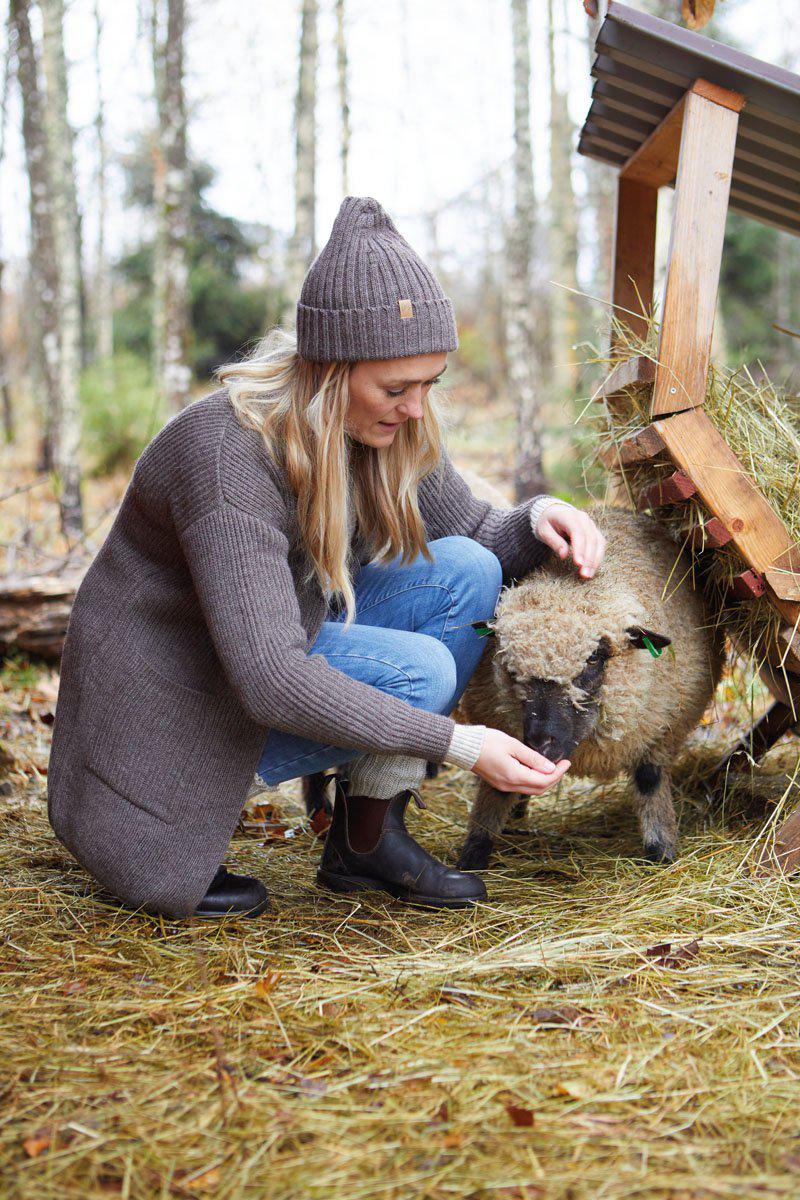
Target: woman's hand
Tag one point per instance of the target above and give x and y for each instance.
(563, 529)
(511, 766)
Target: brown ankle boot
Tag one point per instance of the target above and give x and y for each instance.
(394, 862)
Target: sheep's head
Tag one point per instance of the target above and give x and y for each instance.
(559, 638)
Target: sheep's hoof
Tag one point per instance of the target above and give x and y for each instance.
(476, 852)
(662, 852)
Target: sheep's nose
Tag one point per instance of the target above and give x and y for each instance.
(547, 747)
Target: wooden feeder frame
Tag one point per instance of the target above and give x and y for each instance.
(693, 147)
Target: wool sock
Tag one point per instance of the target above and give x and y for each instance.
(374, 779)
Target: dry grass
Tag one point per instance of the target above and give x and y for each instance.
(761, 424)
(537, 1047)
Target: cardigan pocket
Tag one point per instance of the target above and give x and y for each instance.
(140, 729)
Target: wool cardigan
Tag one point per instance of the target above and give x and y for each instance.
(188, 641)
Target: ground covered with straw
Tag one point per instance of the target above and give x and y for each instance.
(600, 1028)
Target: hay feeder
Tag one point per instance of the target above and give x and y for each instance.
(675, 108)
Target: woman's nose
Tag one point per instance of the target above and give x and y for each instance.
(412, 405)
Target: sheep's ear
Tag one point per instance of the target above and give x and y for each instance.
(638, 633)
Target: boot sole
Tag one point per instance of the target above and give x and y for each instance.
(361, 883)
(227, 913)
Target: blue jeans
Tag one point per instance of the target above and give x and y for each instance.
(411, 637)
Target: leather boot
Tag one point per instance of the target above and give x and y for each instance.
(231, 895)
(396, 864)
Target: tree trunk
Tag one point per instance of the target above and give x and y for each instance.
(65, 225)
(5, 393)
(526, 326)
(103, 298)
(171, 266)
(344, 102)
(44, 365)
(563, 227)
(600, 195)
(302, 246)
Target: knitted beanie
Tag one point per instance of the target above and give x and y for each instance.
(368, 294)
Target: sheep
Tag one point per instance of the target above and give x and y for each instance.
(569, 672)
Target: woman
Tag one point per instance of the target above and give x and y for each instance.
(290, 583)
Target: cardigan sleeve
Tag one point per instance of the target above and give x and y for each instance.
(240, 570)
(448, 507)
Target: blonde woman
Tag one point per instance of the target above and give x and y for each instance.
(291, 583)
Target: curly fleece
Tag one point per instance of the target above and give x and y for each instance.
(547, 625)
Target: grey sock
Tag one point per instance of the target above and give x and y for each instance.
(383, 775)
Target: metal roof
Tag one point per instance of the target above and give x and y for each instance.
(643, 67)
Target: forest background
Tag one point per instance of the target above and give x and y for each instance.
(169, 171)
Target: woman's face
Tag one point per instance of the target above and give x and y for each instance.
(385, 393)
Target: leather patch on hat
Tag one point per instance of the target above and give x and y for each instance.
(406, 309)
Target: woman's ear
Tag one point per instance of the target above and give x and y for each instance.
(637, 635)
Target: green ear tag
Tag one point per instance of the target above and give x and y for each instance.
(655, 653)
(482, 629)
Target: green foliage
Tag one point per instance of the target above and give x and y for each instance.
(121, 412)
(18, 673)
(747, 286)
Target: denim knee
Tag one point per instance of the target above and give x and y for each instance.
(478, 569)
(436, 674)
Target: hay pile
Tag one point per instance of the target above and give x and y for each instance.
(761, 425)
(599, 1028)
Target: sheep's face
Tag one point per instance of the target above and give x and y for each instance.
(555, 718)
(554, 654)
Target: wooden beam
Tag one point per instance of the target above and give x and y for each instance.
(709, 536)
(748, 586)
(640, 446)
(634, 255)
(635, 372)
(655, 163)
(673, 490)
(702, 188)
(697, 447)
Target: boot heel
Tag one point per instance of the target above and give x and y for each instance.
(344, 883)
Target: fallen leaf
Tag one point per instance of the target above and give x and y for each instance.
(38, 1143)
(564, 1014)
(451, 1141)
(696, 13)
(522, 1117)
(590, 8)
(320, 822)
(267, 983)
(665, 956)
(207, 1181)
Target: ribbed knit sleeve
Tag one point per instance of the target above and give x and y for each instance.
(240, 570)
(448, 507)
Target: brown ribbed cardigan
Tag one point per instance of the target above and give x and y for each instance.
(188, 640)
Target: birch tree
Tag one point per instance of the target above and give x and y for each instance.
(563, 223)
(526, 325)
(65, 227)
(343, 90)
(44, 364)
(103, 299)
(600, 184)
(171, 188)
(5, 391)
(302, 245)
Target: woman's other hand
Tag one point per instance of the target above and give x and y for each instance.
(511, 766)
(566, 529)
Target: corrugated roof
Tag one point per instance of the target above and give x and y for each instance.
(643, 67)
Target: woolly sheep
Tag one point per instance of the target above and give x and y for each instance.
(567, 671)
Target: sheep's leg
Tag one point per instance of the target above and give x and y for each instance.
(488, 818)
(315, 793)
(653, 794)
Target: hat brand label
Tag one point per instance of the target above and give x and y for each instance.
(406, 309)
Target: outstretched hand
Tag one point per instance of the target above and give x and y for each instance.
(566, 530)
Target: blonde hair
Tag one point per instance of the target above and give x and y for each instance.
(299, 408)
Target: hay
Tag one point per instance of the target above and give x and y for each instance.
(761, 424)
(599, 1028)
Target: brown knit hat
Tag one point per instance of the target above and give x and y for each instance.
(367, 294)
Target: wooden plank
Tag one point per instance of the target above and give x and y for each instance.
(655, 163)
(673, 490)
(748, 586)
(640, 446)
(634, 255)
(695, 254)
(709, 536)
(635, 372)
(757, 532)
